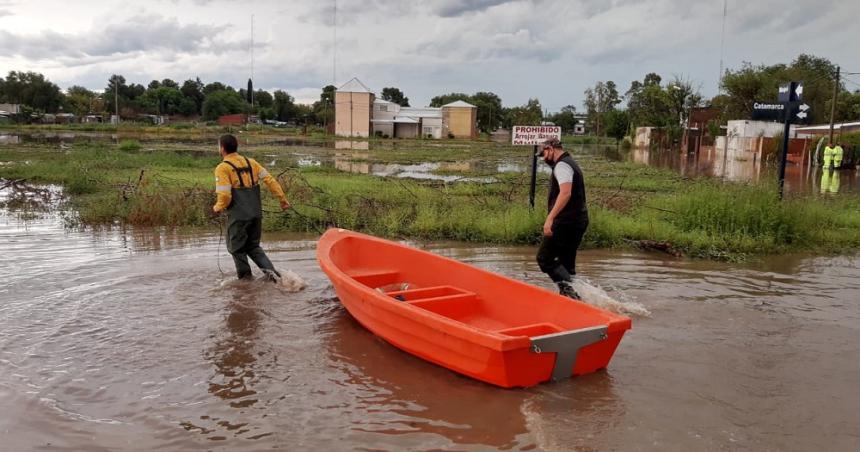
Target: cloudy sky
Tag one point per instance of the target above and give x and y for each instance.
(549, 49)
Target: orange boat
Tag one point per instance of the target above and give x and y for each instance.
(489, 327)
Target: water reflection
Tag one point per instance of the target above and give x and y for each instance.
(402, 395)
(233, 354)
(349, 144)
(424, 171)
(748, 165)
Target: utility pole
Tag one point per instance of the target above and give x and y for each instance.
(116, 99)
(252, 61)
(833, 102)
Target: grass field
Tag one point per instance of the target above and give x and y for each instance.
(137, 183)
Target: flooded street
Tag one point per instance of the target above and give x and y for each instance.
(133, 340)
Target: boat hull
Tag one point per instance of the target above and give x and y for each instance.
(471, 321)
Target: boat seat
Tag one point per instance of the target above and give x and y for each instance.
(376, 278)
(531, 330)
(434, 293)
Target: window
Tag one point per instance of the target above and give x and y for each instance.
(428, 131)
(383, 108)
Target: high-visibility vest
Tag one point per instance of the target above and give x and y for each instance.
(837, 156)
(828, 155)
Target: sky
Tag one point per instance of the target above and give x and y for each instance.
(551, 50)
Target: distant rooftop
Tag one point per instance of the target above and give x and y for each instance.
(460, 103)
(354, 86)
(836, 126)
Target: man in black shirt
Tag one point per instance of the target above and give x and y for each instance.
(567, 219)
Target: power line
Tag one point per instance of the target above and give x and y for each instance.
(722, 48)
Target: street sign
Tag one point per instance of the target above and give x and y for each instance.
(533, 135)
(767, 111)
(801, 111)
(790, 92)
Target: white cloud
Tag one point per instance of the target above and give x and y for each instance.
(549, 49)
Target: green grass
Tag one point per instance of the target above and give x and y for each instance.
(628, 203)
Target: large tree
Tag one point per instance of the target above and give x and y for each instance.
(192, 89)
(393, 94)
(444, 99)
(323, 109)
(81, 101)
(490, 112)
(530, 114)
(283, 105)
(599, 99)
(163, 100)
(566, 118)
(224, 102)
(31, 89)
(749, 84)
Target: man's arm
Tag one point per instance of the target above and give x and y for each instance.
(560, 202)
(272, 184)
(222, 188)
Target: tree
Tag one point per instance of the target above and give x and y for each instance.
(530, 114)
(187, 107)
(847, 106)
(445, 99)
(393, 94)
(283, 105)
(81, 101)
(598, 100)
(224, 102)
(323, 109)
(263, 99)
(162, 100)
(490, 113)
(566, 118)
(250, 92)
(750, 84)
(616, 123)
(155, 84)
(192, 89)
(215, 86)
(169, 83)
(31, 89)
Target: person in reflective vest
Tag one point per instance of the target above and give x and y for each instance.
(833, 188)
(828, 155)
(237, 185)
(837, 155)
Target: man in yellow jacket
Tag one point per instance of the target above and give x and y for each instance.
(237, 185)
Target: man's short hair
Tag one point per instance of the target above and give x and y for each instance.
(229, 143)
(553, 143)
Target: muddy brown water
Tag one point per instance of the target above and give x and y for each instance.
(132, 340)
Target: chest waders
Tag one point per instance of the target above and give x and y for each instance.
(245, 224)
(246, 204)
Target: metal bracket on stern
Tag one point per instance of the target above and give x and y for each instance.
(566, 346)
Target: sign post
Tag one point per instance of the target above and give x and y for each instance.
(790, 109)
(533, 136)
(791, 96)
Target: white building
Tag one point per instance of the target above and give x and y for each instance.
(393, 120)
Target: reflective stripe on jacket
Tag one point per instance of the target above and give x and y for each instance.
(226, 179)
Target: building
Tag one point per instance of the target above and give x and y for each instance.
(824, 129)
(239, 119)
(10, 109)
(353, 110)
(358, 113)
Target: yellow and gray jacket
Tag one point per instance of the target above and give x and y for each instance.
(227, 179)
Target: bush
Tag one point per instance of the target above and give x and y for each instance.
(129, 145)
